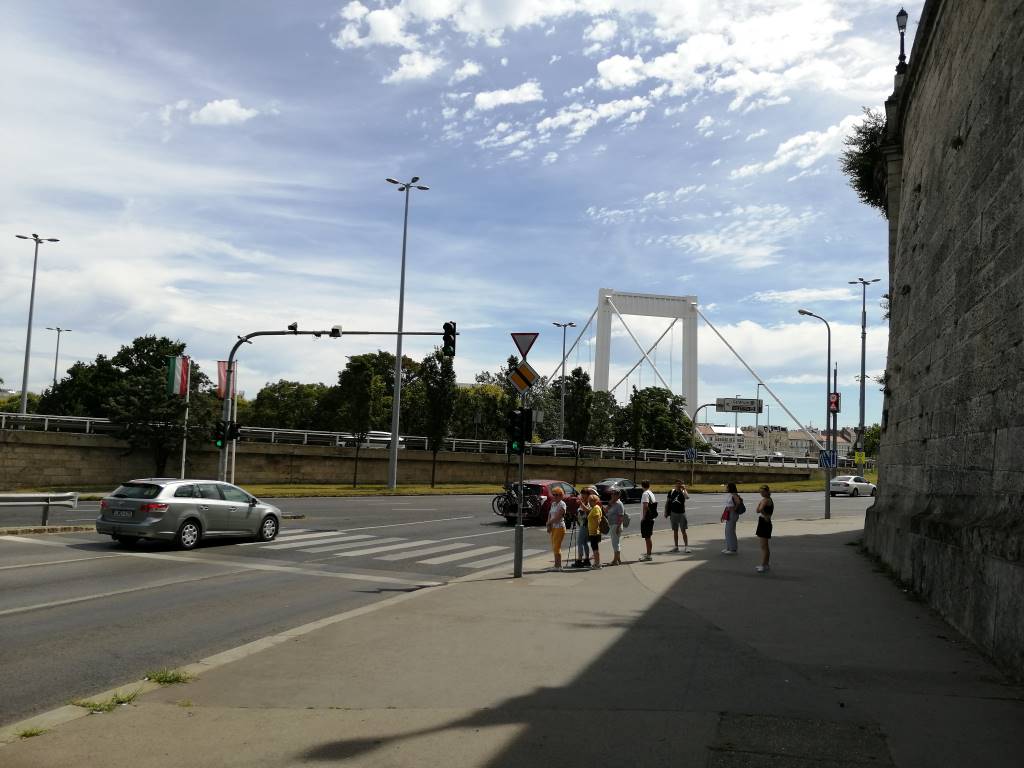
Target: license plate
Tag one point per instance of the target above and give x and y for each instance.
(120, 513)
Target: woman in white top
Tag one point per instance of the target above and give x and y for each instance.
(556, 523)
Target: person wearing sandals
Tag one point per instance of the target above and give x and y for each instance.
(764, 526)
(582, 543)
(556, 523)
(733, 505)
(594, 517)
(616, 512)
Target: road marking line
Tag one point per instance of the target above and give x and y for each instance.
(305, 536)
(414, 509)
(418, 522)
(425, 552)
(55, 562)
(333, 536)
(349, 544)
(500, 559)
(460, 556)
(114, 593)
(374, 550)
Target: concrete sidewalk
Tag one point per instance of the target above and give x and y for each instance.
(691, 660)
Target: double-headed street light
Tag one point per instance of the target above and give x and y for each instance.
(863, 351)
(56, 355)
(396, 403)
(828, 389)
(561, 428)
(31, 307)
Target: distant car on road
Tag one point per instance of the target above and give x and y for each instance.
(851, 485)
(628, 490)
(185, 511)
(557, 445)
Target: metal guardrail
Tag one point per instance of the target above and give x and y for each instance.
(46, 500)
(89, 425)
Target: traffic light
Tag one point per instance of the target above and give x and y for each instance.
(833, 402)
(220, 433)
(513, 429)
(233, 429)
(448, 343)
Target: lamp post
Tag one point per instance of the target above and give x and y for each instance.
(757, 420)
(901, 24)
(31, 307)
(396, 403)
(56, 355)
(561, 428)
(863, 351)
(828, 372)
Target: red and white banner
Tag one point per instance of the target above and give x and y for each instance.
(222, 378)
(177, 375)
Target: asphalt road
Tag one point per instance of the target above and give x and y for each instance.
(79, 614)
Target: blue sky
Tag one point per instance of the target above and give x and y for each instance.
(214, 168)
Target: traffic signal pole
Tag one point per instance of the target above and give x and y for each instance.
(517, 567)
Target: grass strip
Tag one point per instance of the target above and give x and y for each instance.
(168, 676)
(28, 733)
(97, 707)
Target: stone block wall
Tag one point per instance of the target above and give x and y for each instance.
(950, 514)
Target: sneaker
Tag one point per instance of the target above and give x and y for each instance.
(595, 567)
(761, 569)
(586, 563)
(644, 558)
(728, 551)
(675, 549)
(686, 550)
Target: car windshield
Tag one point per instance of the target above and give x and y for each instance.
(532, 489)
(844, 479)
(611, 481)
(137, 491)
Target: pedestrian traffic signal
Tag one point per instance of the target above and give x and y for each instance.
(448, 343)
(220, 433)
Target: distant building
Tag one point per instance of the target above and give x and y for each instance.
(722, 438)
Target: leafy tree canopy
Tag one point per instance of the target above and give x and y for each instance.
(863, 161)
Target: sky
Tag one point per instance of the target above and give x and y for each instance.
(216, 168)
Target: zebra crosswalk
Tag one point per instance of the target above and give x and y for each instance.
(451, 552)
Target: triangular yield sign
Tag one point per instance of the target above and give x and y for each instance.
(524, 341)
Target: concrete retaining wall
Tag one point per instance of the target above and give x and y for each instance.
(950, 514)
(68, 460)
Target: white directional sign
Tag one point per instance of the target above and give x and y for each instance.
(739, 405)
(524, 341)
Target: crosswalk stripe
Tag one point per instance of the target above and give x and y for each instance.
(461, 555)
(349, 544)
(499, 559)
(286, 533)
(308, 543)
(427, 551)
(375, 549)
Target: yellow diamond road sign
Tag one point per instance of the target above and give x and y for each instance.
(522, 377)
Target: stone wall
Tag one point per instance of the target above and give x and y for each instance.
(950, 514)
(75, 461)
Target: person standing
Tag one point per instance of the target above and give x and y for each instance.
(675, 510)
(616, 512)
(594, 517)
(733, 505)
(765, 509)
(556, 523)
(582, 545)
(649, 502)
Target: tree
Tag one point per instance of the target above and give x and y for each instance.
(872, 439)
(84, 391)
(437, 377)
(579, 399)
(604, 411)
(358, 385)
(288, 405)
(863, 160)
(655, 417)
(479, 411)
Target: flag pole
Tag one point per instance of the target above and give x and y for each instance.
(184, 435)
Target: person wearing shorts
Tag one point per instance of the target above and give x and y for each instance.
(556, 523)
(649, 502)
(675, 510)
(582, 543)
(765, 509)
(615, 515)
(594, 528)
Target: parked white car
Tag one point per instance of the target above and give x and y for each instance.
(851, 485)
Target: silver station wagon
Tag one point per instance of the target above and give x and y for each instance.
(185, 511)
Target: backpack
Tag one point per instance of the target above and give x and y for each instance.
(741, 507)
(652, 510)
(602, 525)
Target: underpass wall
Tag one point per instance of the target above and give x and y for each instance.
(75, 461)
(949, 519)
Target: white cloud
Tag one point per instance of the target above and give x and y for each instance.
(601, 31)
(467, 70)
(554, 58)
(579, 119)
(384, 26)
(805, 295)
(550, 158)
(620, 72)
(414, 66)
(504, 61)
(521, 94)
(703, 126)
(354, 11)
(804, 150)
(756, 134)
(167, 112)
(222, 112)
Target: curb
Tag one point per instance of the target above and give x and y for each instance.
(19, 531)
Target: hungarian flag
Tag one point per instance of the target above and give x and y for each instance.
(177, 375)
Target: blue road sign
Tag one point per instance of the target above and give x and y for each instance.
(827, 460)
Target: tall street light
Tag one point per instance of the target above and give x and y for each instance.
(757, 419)
(561, 428)
(863, 351)
(31, 307)
(396, 404)
(901, 25)
(56, 355)
(828, 372)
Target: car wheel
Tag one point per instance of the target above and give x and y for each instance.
(855, 492)
(125, 540)
(268, 529)
(831, 494)
(873, 491)
(188, 535)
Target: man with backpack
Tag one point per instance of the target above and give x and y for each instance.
(675, 509)
(649, 502)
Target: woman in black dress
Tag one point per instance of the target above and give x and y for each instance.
(764, 526)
